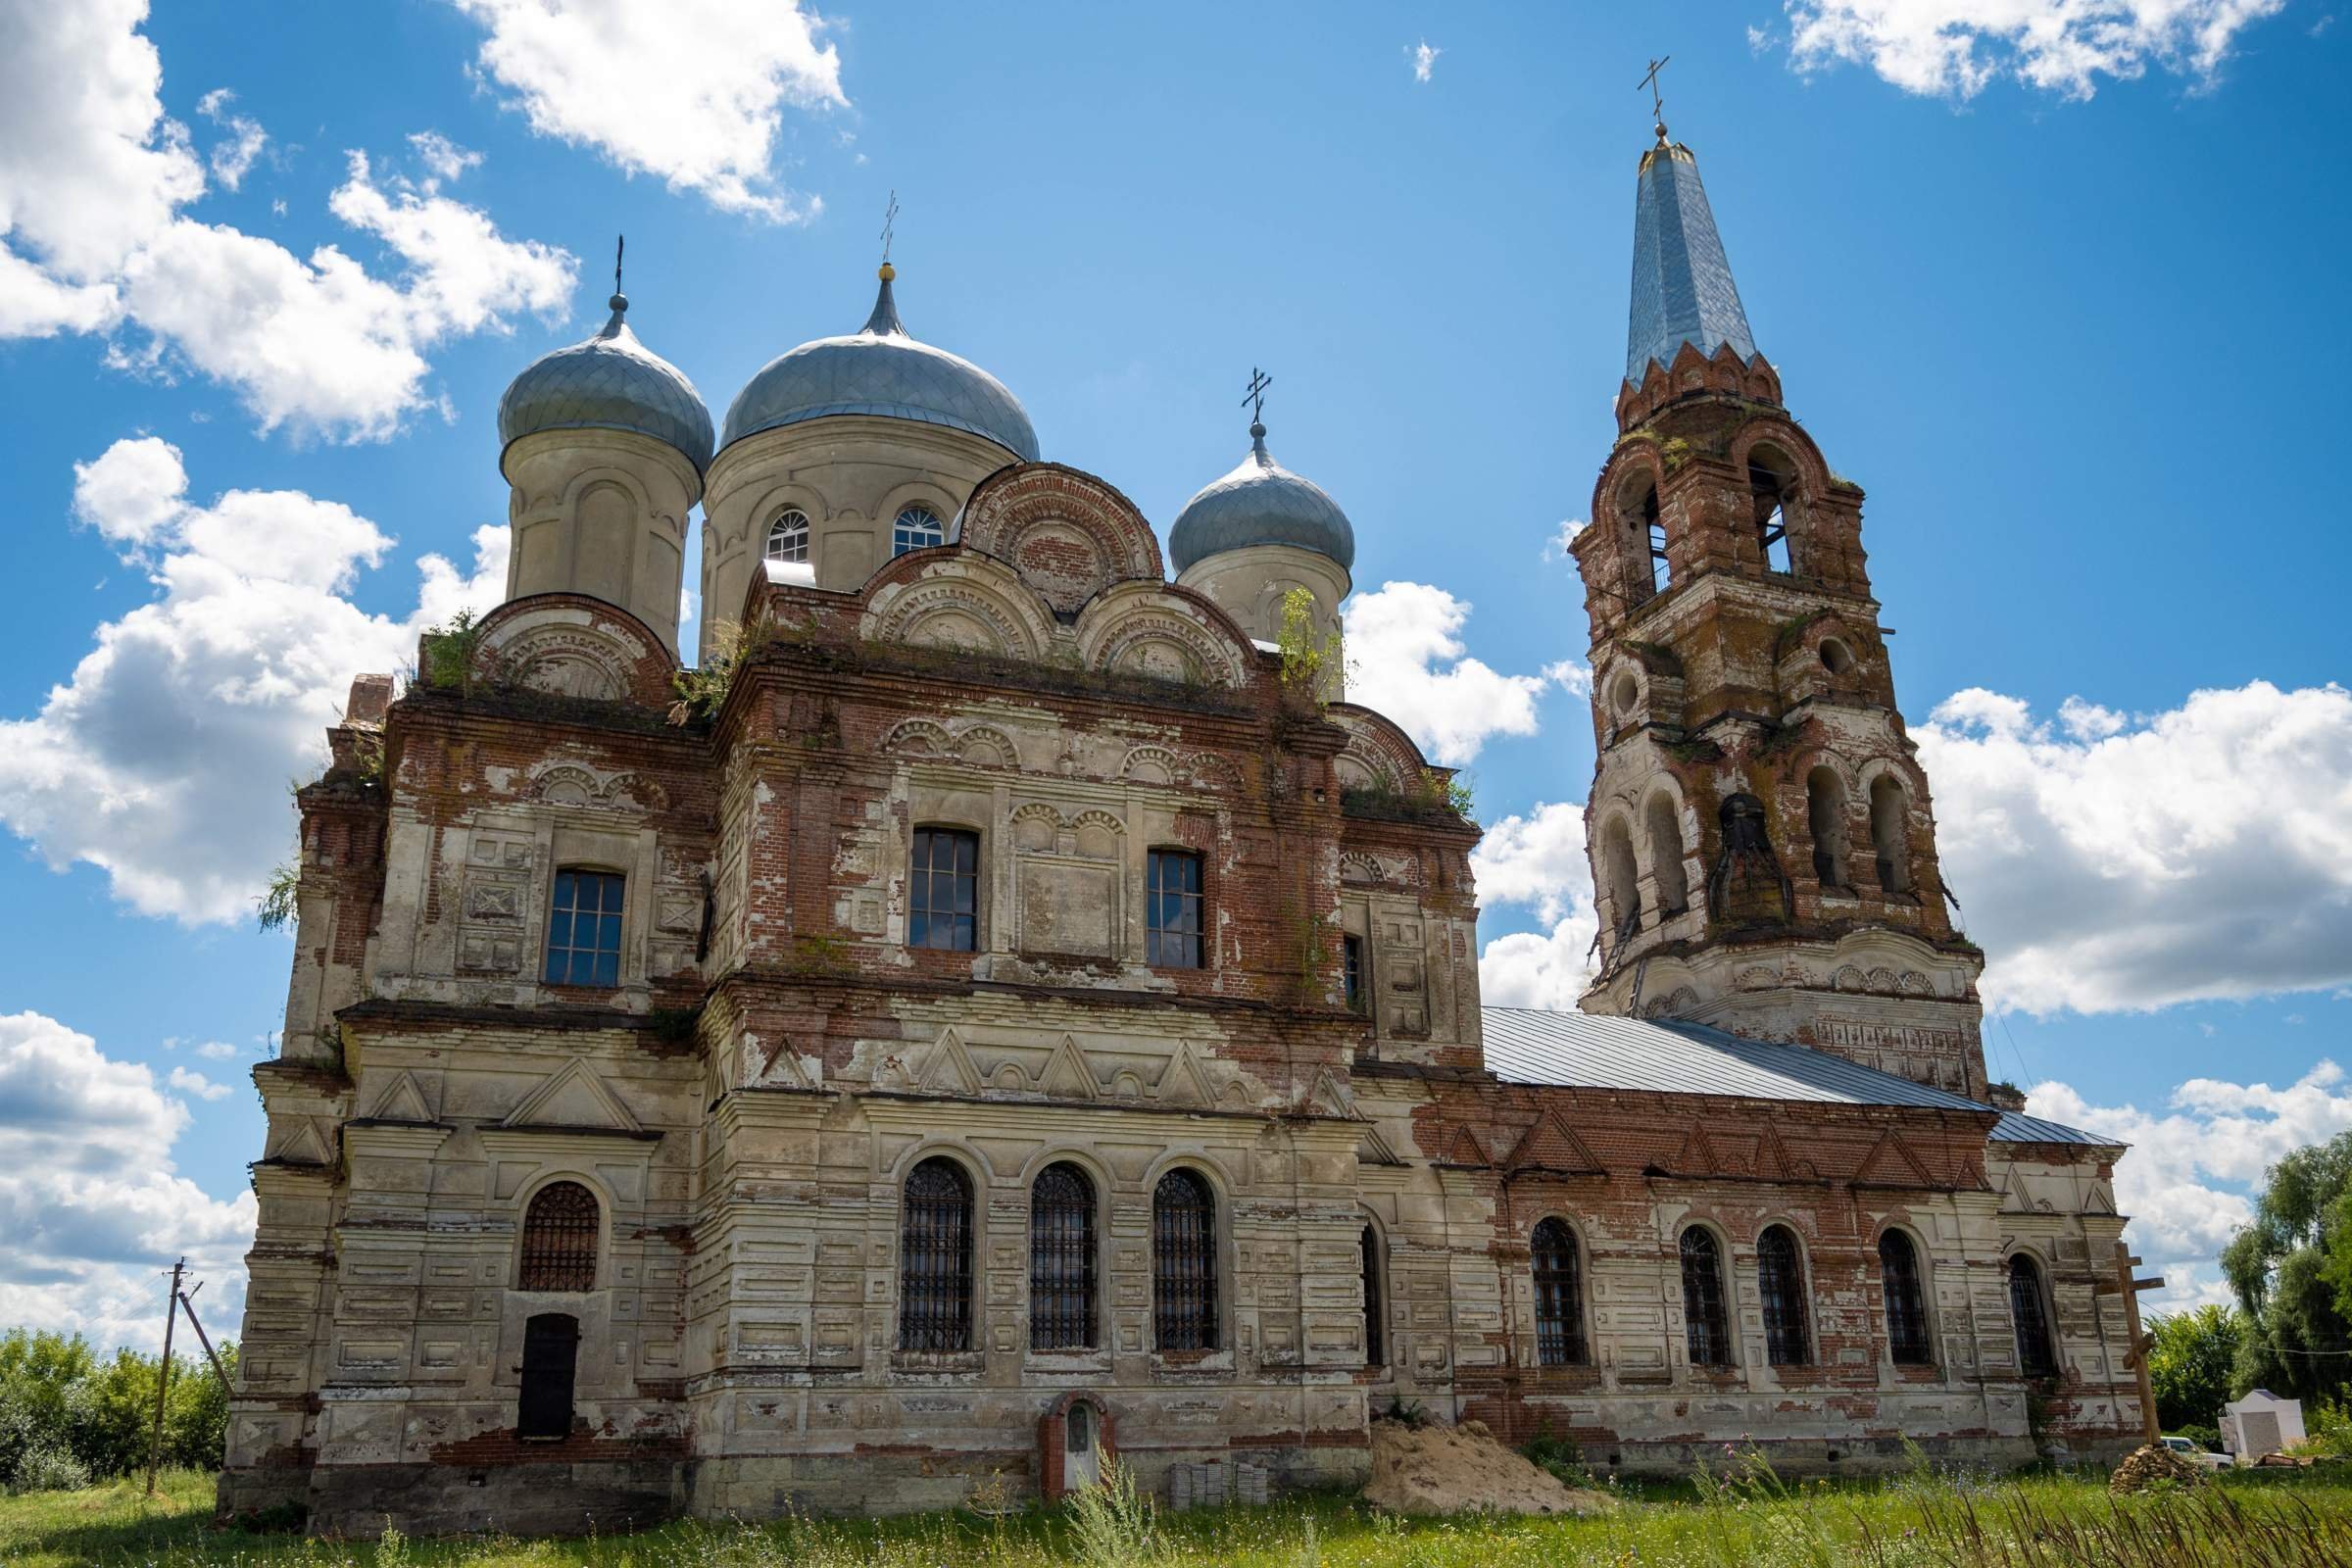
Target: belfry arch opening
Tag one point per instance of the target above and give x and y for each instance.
(1623, 875)
(1824, 810)
(1890, 834)
(1771, 482)
(1663, 823)
(1648, 571)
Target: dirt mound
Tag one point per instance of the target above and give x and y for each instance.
(2144, 1467)
(1436, 1469)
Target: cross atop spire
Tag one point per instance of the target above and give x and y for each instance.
(1255, 397)
(1657, 101)
(890, 225)
(619, 302)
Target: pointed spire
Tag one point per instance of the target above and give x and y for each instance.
(885, 322)
(1683, 288)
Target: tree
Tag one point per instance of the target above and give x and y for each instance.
(2192, 1362)
(2298, 1336)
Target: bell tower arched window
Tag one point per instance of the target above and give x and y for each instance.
(1653, 535)
(1184, 1263)
(1622, 878)
(1665, 827)
(1706, 1328)
(935, 1258)
(1906, 1302)
(1825, 810)
(1766, 494)
(1559, 1294)
(1781, 1283)
(1890, 834)
(2036, 1357)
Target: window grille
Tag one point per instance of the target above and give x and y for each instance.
(1374, 1350)
(788, 536)
(1172, 911)
(916, 528)
(942, 895)
(2036, 1356)
(1559, 1296)
(1708, 1335)
(1780, 1281)
(1351, 973)
(583, 930)
(1184, 1263)
(1061, 1260)
(559, 1239)
(935, 1259)
(1906, 1307)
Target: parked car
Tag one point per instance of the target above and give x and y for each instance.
(2187, 1449)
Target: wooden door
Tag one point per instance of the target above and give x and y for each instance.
(551, 1351)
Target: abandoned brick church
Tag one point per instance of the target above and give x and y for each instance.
(1009, 1016)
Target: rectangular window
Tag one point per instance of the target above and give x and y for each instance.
(1172, 911)
(583, 930)
(1351, 973)
(942, 891)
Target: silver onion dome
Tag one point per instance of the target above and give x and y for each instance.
(610, 382)
(1261, 503)
(881, 369)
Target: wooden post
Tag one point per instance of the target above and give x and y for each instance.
(2130, 1289)
(163, 1379)
(187, 1303)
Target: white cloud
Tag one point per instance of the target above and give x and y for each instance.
(1556, 547)
(188, 1081)
(233, 154)
(2120, 863)
(92, 238)
(2212, 1130)
(89, 1197)
(1537, 860)
(690, 91)
(217, 1051)
(443, 158)
(1406, 659)
(1424, 56)
(1956, 48)
(161, 758)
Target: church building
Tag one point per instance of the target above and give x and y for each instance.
(1000, 1004)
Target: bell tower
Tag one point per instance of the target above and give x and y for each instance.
(1762, 840)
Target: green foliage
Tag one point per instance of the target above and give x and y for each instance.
(1112, 1524)
(2291, 1271)
(274, 910)
(2208, 1438)
(1405, 1412)
(2192, 1362)
(703, 690)
(2327, 1429)
(66, 1412)
(449, 653)
(1309, 660)
(1559, 1455)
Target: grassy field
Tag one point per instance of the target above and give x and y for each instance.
(2300, 1521)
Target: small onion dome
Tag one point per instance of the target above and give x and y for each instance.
(610, 382)
(880, 369)
(1261, 503)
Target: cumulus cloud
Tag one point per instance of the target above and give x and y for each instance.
(1537, 860)
(1406, 656)
(93, 180)
(159, 760)
(89, 1199)
(2120, 863)
(1956, 48)
(724, 73)
(1424, 56)
(2212, 1130)
(442, 158)
(231, 157)
(188, 1081)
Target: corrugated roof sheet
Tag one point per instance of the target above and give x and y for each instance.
(1671, 1056)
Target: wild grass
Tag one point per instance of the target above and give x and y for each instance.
(1747, 1519)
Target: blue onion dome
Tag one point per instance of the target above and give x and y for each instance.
(881, 369)
(1261, 503)
(610, 382)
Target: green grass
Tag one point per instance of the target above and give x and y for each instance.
(2300, 1521)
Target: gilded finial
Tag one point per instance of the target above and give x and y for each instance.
(1657, 102)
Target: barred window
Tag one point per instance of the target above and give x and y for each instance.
(583, 930)
(1906, 1306)
(1172, 911)
(935, 1259)
(1780, 1281)
(1184, 1263)
(2036, 1356)
(943, 893)
(788, 536)
(1559, 1296)
(916, 528)
(1061, 1259)
(1704, 1324)
(1375, 1351)
(1351, 972)
(559, 1239)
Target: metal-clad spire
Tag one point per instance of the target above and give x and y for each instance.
(885, 322)
(1682, 288)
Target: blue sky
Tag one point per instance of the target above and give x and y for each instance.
(2053, 310)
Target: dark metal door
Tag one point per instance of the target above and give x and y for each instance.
(551, 1348)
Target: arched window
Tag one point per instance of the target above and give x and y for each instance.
(1184, 1263)
(1061, 1259)
(559, 1239)
(1653, 534)
(1665, 827)
(1890, 834)
(1780, 1281)
(1703, 1322)
(935, 1259)
(1825, 807)
(1906, 1303)
(787, 535)
(551, 1353)
(1767, 492)
(2036, 1357)
(916, 528)
(1624, 879)
(1374, 1347)
(1559, 1294)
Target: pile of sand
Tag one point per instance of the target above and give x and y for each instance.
(1436, 1469)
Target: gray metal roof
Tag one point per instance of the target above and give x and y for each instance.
(881, 369)
(1682, 288)
(610, 382)
(1261, 503)
(2016, 1127)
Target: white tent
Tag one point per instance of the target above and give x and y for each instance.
(2261, 1423)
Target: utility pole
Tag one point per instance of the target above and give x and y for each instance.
(187, 1305)
(163, 1381)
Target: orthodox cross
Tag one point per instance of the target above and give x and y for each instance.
(1657, 103)
(620, 245)
(890, 222)
(1259, 381)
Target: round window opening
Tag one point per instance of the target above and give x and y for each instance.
(1624, 693)
(1835, 656)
